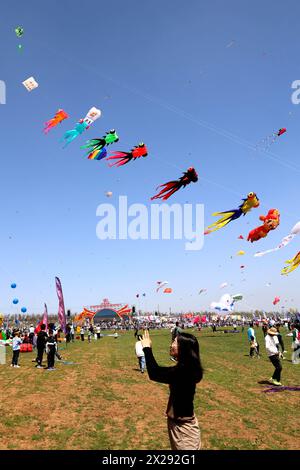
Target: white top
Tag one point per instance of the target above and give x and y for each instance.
(16, 343)
(271, 344)
(139, 349)
(31, 329)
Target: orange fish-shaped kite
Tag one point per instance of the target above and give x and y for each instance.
(59, 117)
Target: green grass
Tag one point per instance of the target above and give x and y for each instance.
(103, 402)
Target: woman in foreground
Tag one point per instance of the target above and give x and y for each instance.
(183, 428)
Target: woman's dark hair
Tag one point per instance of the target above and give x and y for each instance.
(189, 355)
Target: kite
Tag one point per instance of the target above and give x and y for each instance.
(241, 237)
(242, 267)
(96, 146)
(285, 241)
(276, 300)
(225, 304)
(30, 84)
(169, 188)
(59, 117)
(201, 291)
(270, 139)
(108, 194)
(228, 216)
(19, 31)
(168, 290)
(240, 253)
(293, 264)
(224, 284)
(83, 124)
(161, 284)
(125, 157)
(270, 222)
(237, 297)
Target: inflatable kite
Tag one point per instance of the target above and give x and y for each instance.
(169, 188)
(293, 264)
(83, 124)
(270, 139)
(125, 157)
(228, 216)
(270, 222)
(285, 241)
(96, 147)
(59, 117)
(161, 284)
(225, 304)
(276, 300)
(168, 290)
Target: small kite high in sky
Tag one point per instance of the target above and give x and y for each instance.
(58, 118)
(285, 241)
(276, 300)
(96, 146)
(228, 216)
(270, 222)
(19, 31)
(161, 284)
(292, 264)
(266, 142)
(83, 124)
(169, 188)
(125, 157)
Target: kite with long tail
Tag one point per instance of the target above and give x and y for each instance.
(125, 157)
(292, 264)
(169, 188)
(59, 117)
(96, 147)
(285, 241)
(265, 143)
(228, 216)
(82, 125)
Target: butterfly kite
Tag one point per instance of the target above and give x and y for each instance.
(169, 188)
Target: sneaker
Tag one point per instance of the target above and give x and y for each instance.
(275, 382)
(17, 366)
(39, 367)
(270, 380)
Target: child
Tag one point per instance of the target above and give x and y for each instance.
(140, 353)
(16, 349)
(254, 347)
(89, 335)
(51, 349)
(82, 333)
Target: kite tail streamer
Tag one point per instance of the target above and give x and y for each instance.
(224, 220)
(69, 136)
(123, 158)
(168, 189)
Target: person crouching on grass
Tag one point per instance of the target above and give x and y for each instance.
(272, 348)
(183, 428)
(51, 349)
(16, 342)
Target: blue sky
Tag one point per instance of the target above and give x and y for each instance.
(179, 76)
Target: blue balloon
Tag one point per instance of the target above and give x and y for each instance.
(15, 301)
(13, 285)
(23, 310)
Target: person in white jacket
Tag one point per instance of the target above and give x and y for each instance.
(140, 354)
(272, 348)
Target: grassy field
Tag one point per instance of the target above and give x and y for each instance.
(102, 401)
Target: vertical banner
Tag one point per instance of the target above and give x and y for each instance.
(61, 305)
(45, 317)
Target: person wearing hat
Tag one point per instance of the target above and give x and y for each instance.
(272, 348)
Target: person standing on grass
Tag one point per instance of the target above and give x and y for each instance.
(82, 333)
(272, 347)
(140, 353)
(16, 343)
(40, 345)
(183, 427)
(51, 350)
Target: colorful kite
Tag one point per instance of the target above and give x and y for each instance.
(30, 84)
(125, 157)
(240, 253)
(285, 241)
(241, 237)
(19, 31)
(96, 147)
(59, 117)
(168, 290)
(228, 216)
(276, 300)
(293, 264)
(225, 304)
(169, 188)
(83, 124)
(270, 139)
(270, 222)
